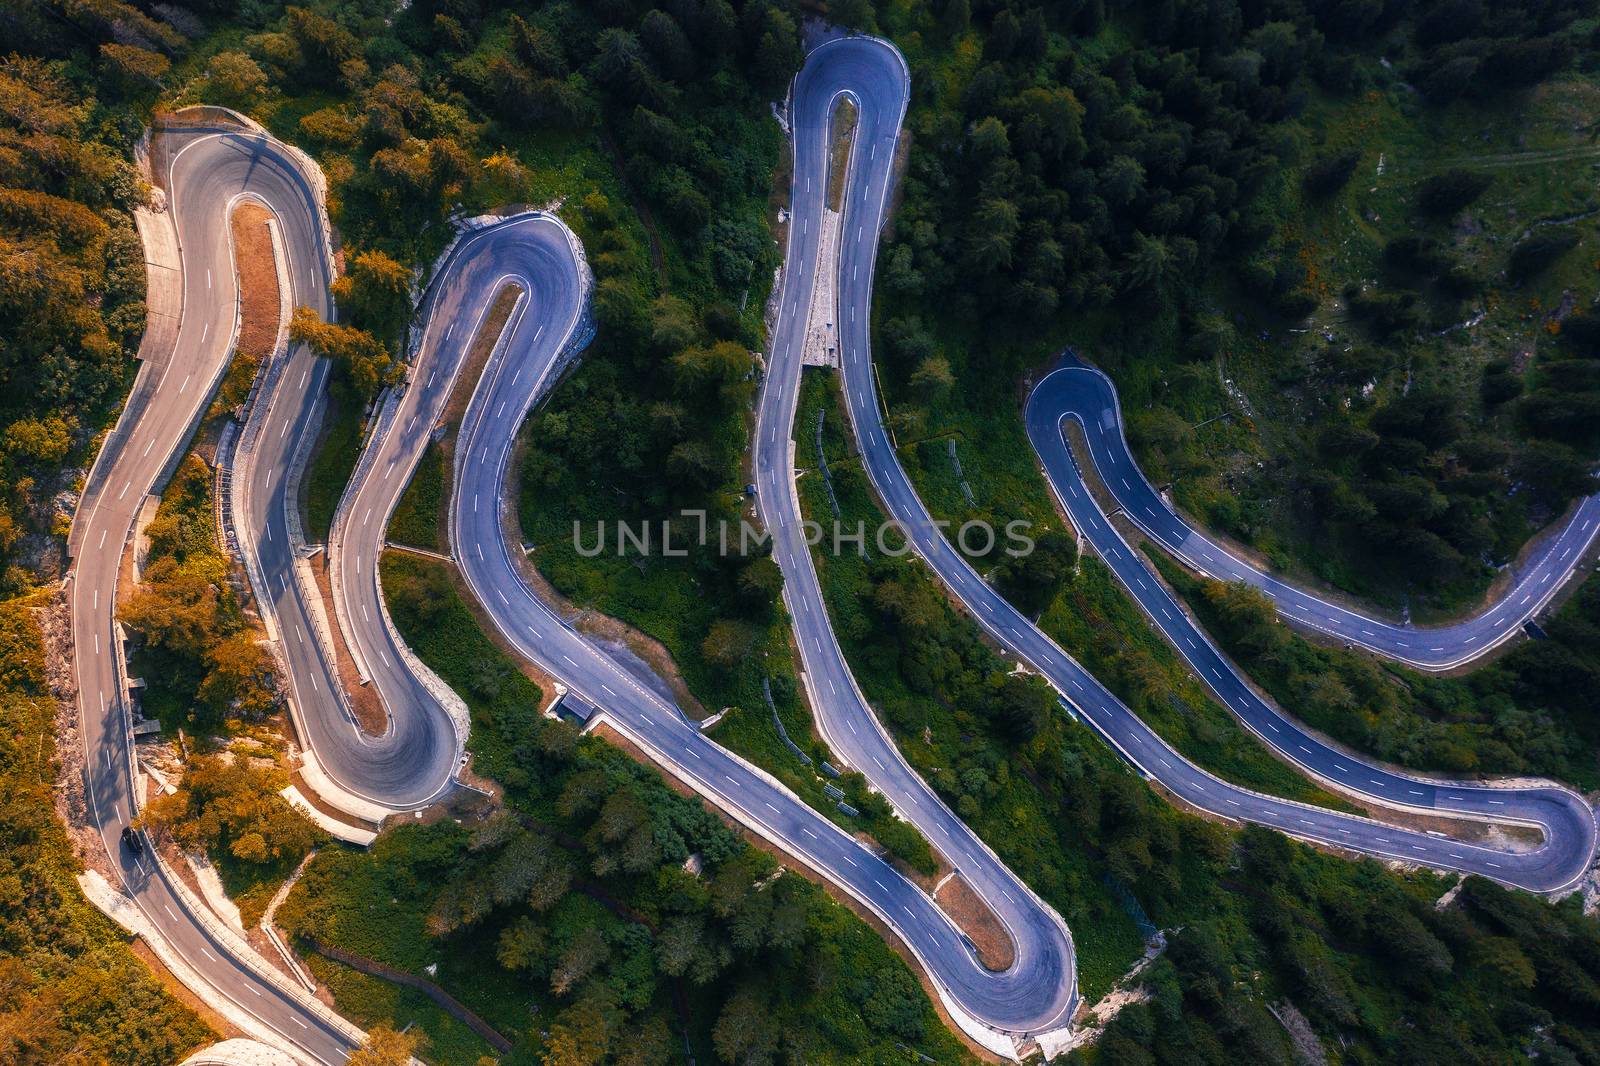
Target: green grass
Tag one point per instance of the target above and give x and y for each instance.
(370, 1001)
(251, 885)
(985, 422)
(663, 598)
(376, 905)
(660, 597)
(330, 466)
(436, 622)
(1105, 631)
(234, 388)
(419, 517)
(840, 135)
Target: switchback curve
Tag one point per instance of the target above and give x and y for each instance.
(1565, 820)
(1086, 395)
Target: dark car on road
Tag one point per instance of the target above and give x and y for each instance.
(132, 840)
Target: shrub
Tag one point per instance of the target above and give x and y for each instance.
(1539, 250)
(1328, 173)
(1450, 191)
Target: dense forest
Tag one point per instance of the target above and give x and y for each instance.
(71, 990)
(597, 916)
(71, 269)
(1160, 182)
(1198, 195)
(1275, 951)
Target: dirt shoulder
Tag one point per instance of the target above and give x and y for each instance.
(973, 917)
(259, 300)
(364, 701)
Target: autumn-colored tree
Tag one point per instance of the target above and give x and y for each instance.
(384, 1047)
(324, 46)
(417, 174)
(241, 681)
(503, 168)
(175, 608)
(39, 440)
(332, 126)
(376, 291)
(231, 805)
(522, 945)
(358, 353)
(932, 379)
(235, 80)
(71, 224)
(134, 69)
(581, 1034)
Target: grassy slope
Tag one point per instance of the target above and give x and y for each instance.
(419, 516)
(376, 904)
(1093, 619)
(1418, 720)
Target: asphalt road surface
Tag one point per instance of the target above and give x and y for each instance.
(1085, 395)
(540, 261)
(413, 761)
(1043, 978)
(211, 168)
(1566, 821)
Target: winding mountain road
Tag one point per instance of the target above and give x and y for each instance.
(1032, 996)
(1565, 820)
(1039, 991)
(412, 763)
(212, 168)
(1086, 395)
